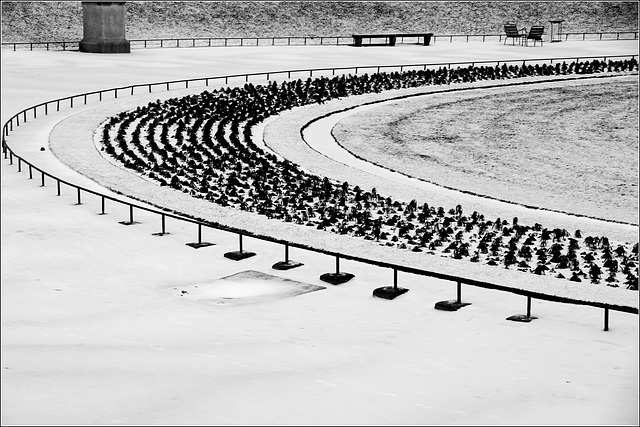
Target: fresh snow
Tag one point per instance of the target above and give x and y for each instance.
(109, 324)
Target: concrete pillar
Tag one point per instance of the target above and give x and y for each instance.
(104, 27)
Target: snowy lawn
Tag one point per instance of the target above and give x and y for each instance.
(572, 149)
(96, 328)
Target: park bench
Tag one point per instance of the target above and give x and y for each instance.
(389, 39)
(535, 34)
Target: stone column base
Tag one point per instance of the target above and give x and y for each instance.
(105, 46)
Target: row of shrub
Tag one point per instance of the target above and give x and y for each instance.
(201, 145)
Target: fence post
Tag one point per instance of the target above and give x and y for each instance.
(239, 254)
(57, 185)
(131, 221)
(103, 203)
(79, 202)
(163, 232)
(336, 278)
(606, 319)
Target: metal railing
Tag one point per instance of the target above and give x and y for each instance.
(164, 213)
(609, 35)
(305, 41)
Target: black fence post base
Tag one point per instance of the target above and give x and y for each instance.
(197, 245)
(239, 255)
(128, 222)
(336, 278)
(286, 265)
(521, 318)
(389, 292)
(450, 305)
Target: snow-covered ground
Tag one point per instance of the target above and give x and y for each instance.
(109, 324)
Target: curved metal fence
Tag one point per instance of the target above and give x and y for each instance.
(73, 100)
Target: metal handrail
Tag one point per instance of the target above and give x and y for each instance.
(303, 40)
(8, 127)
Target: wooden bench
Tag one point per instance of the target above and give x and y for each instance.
(426, 37)
(389, 39)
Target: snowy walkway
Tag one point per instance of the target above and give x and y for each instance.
(96, 328)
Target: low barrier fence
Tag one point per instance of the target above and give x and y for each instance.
(306, 41)
(184, 83)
